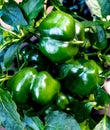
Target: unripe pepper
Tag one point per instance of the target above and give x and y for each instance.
(57, 50)
(58, 25)
(20, 84)
(61, 35)
(80, 77)
(79, 31)
(34, 58)
(44, 88)
(62, 101)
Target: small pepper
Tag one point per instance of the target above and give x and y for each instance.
(34, 58)
(62, 101)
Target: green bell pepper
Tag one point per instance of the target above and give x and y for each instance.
(58, 25)
(20, 84)
(79, 77)
(62, 101)
(62, 26)
(61, 35)
(34, 58)
(57, 51)
(79, 31)
(44, 88)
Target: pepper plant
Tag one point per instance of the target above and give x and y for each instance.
(54, 64)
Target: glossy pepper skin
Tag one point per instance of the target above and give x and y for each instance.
(80, 77)
(60, 34)
(34, 58)
(79, 31)
(58, 25)
(20, 84)
(56, 50)
(44, 88)
(62, 101)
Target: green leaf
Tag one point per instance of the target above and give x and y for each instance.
(63, 70)
(105, 7)
(88, 124)
(94, 7)
(1, 12)
(32, 8)
(9, 116)
(9, 55)
(1, 37)
(13, 15)
(58, 4)
(100, 8)
(106, 73)
(101, 97)
(104, 124)
(85, 125)
(81, 110)
(101, 41)
(106, 59)
(87, 24)
(58, 120)
(1, 3)
(34, 123)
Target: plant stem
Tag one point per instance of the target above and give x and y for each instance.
(5, 78)
(107, 50)
(92, 54)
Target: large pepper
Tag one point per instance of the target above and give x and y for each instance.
(79, 77)
(60, 33)
(20, 84)
(44, 88)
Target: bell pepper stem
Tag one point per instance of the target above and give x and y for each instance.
(76, 42)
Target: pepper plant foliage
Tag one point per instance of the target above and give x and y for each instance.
(62, 44)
